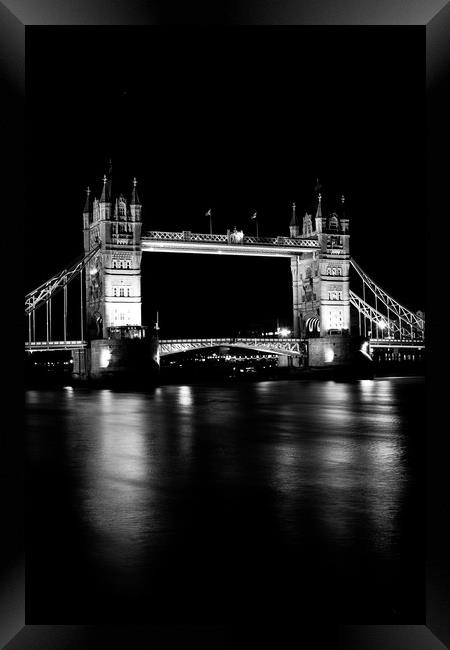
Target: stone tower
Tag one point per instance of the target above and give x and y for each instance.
(113, 277)
(320, 279)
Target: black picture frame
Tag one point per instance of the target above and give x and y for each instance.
(434, 630)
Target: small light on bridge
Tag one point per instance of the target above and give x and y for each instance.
(105, 358)
(283, 331)
(381, 324)
(329, 355)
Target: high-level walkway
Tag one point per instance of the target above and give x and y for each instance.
(230, 244)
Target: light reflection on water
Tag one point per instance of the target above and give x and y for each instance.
(324, 459)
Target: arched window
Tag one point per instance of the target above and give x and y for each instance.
(308, 271)
(122, 292)
(122, 209)
(128, 264)
(333, 224)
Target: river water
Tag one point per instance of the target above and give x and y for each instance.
(206, 503)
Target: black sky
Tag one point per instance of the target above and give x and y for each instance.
(237, 120)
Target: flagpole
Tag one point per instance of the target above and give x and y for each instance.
(210, 224)
(255, 217)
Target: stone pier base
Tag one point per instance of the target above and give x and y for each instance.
(109, 360)
(287, 361)
(329, 351)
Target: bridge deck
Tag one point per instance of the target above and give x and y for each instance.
(188, 242)
(291, 346)
(52, 346)
(397, 343)
(279, 346)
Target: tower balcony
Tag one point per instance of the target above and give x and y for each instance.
(127, 332)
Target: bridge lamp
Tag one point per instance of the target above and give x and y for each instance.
(284, 332)
(329, 355)
(381, 324)
(105, 358)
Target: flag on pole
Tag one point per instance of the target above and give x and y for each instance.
(208, 214)
(253, 215)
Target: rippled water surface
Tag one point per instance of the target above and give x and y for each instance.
(202, 502)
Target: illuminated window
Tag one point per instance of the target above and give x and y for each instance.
(122, 292)
(128, 264)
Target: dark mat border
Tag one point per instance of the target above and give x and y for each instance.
(435, 17)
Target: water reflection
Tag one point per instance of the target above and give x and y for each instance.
(349, 461)
(321, 464)
(118, 485)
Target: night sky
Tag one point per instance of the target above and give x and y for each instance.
(237, 120)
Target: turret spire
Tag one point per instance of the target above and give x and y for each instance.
(107, 180)
(87, 205)
(319, 206)
(134, 194)
(294, 220)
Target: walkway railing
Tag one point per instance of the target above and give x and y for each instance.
(231, 238)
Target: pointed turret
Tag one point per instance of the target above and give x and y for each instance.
(135, 204)
(134, 194)
(87, 210)
(319, 213)
(88, 204)
(105, 196)
(294, 227)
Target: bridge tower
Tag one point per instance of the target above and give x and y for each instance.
(118, 343)
(113, 277)
(320, 282)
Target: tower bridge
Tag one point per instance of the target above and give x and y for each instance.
(111, 337)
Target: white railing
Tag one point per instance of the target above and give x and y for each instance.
(208, 238)
(54, 345)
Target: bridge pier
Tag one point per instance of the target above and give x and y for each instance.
(289, 361)
(328, 351)
(118, 359)
(81, 364)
